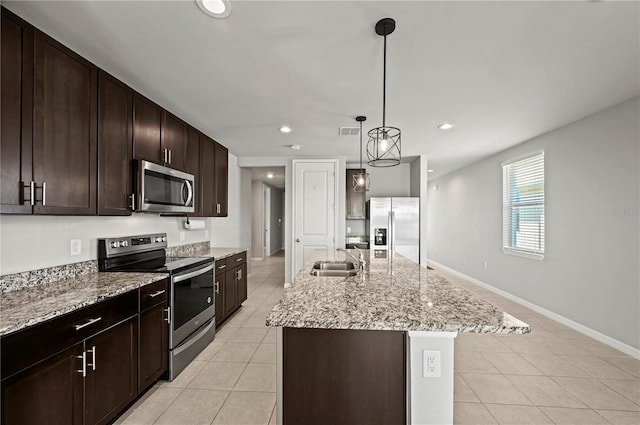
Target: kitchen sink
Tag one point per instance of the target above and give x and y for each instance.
(333, 269)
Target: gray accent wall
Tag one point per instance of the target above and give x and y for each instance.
(590, 272)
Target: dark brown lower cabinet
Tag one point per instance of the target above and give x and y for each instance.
(348, 377)
(48, 393)
(112, 372)
(230, 292)
(231, 285)
(154, 345)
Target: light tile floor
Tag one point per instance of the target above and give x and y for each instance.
(554, 375)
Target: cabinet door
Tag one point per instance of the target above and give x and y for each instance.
(242, 283)
(65, 135)
(174, 140)
(16, 113)
(219, 298)
(221, 180)
(230, 292)
(112, 371)
(193, 167)
(356, 201)
(48, 393)
(208, 176)
(147, 125)
(115, 143)
(154, 345)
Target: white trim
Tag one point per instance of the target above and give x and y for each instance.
(598, 336)
(524, 254)
(431, 334)
(257, 259)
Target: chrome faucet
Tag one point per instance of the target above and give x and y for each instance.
(360, 261)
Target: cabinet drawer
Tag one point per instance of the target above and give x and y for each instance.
(29, 346)
(221, 265)
(153, 294)
(236, 260)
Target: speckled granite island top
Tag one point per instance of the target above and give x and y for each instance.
(30, 306)
(394, 294)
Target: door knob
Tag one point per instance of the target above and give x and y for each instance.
(298, 240)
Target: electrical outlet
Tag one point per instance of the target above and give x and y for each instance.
(182, 236)
(431, 364)
(75, 247)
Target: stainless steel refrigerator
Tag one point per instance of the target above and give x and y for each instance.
(394, 226)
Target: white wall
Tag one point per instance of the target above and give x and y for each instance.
(418, 188)
(33, 242)
(590, 271)
(257, 219)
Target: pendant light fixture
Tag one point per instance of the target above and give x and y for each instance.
(361, 178)
(383, 148)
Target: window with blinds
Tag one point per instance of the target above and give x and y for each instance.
(523, 206)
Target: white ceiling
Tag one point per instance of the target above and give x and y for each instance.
(260, 173)
(503, 72)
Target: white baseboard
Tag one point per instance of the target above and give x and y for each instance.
(598, 336)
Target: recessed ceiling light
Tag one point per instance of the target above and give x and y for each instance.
(285, 129)
(295, 147)
(215, 8)
(446, 126)
(429, 170)
(269, 175)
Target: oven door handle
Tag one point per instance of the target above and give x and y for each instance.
(181, 277)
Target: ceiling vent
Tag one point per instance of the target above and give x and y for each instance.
(349, 131)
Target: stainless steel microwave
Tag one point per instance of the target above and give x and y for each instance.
(163, 189)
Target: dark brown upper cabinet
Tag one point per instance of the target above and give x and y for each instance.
(115, 144)
(193, 167)
(16, 116)
(147, 128)
(64, 130)
(208, 176)
(221, 180)
(174, 142)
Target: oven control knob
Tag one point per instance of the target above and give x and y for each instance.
(158, 239)
(164, 239)
(115, 244)
(124, 243)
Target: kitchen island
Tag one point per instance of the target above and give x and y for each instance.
(376, 347)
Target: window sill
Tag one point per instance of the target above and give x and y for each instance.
(524, 254)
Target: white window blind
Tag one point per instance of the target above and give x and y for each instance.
(523, 206)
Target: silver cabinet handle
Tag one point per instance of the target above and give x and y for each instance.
(168, 311)
(93, 357)
(90, 322)
(169, 155)
(83, 357)
(155, 294)
(44, 193)
(32, 192)
(239, 274)
(238, 260)
(132, 202)
(217, 287)
(164, 156)
(217, 208)
(224, 266)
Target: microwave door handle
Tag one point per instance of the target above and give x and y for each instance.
(187, 183)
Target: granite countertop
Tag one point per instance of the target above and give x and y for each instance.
(393, 294)
(220, 253)
(29, 306)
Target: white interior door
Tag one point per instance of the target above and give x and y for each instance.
(315, 209)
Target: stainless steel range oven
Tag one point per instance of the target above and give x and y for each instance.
(191, 309)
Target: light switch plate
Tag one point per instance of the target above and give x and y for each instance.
(75, 247)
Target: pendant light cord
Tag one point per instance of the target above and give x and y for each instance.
(384, 80)
(361, 146)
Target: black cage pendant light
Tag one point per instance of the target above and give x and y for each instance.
(361, 178)
(383, 148)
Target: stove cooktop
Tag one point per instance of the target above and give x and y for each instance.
(169, 265)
